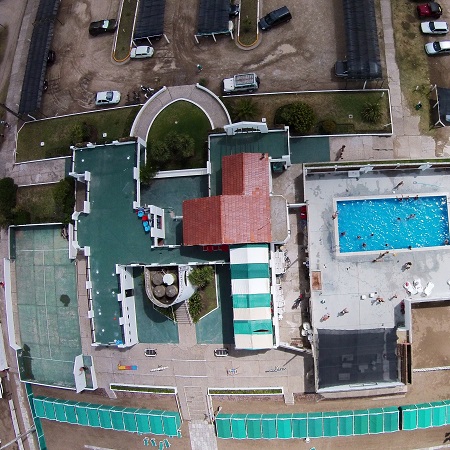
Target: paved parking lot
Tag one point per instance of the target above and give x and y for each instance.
(309, 44)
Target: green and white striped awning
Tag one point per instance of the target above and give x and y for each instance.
(250, 290)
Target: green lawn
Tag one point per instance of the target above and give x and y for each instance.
(57, 134)
(412, 60)
(209, 299)
(125, 30)
(184, 118)
(248, 22)
(342, 107)
(39, 202)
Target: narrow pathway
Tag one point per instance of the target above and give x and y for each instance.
(202, 435)
(202, 97)
(406, 142)
(38, 172)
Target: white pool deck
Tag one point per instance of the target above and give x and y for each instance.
(347, 278)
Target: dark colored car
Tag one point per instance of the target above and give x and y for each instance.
(234, 11)
(102, 26)
(51, 57)
(431, 9)
(277, 17)
(341, 69)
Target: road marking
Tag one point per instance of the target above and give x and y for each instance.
(92, 447)
(432, 369)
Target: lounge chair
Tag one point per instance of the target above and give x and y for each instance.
(418, 285)
(166, 443)
(428, 288)
(153, 442)
(161, 445)
(410, 289)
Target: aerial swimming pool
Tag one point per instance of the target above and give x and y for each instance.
(388, 222)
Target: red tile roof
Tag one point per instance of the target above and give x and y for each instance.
(241, 214)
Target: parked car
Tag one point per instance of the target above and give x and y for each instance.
(277, 17)
(51, 57)
(102, 26)
(341, 69)
(431, 9)
(220, 352)
(234, 10)
(244, 82)
(143, 51)
(107, 98)
(437, 47)
(434, 27)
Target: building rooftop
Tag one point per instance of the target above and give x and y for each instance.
(345, 286)
(241, 214)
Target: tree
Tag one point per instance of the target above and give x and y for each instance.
(160, 152)
(148, 172)
(79, 133)
(201, 276)
(371, 112)
(8, 191)
(299, 116)
(245, 109)
(180, 144)
(195, 306)
(64, 197)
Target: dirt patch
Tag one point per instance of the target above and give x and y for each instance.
(60, 436)
(430, 335)
(84, 64)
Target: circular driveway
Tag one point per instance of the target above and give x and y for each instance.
(208, 102)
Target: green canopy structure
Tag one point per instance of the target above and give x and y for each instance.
(110, 417)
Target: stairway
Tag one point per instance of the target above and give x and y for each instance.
(182, 314)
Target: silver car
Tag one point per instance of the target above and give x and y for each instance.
(437, 47)
(143, 51)
(107, 98)
(434, 27)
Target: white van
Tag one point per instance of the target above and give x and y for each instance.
(143, 51)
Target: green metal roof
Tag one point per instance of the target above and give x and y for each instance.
(251, 300)
(247, 271)
(253, 326)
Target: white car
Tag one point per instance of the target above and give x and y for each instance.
(107, 98)
(434, 27)
(437, 47)
(143, 51)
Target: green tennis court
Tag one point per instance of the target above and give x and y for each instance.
(47, 305)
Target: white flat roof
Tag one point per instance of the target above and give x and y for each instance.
(354, 281)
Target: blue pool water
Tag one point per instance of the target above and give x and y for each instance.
(388, 223)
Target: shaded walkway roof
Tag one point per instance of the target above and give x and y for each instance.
(363, 52)
(41, 38)
(150, 19)
(307, 425)
(134, 420)
(444, 103)
(213, 17)
(252, 318)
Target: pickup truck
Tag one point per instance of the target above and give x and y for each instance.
(245, 82)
